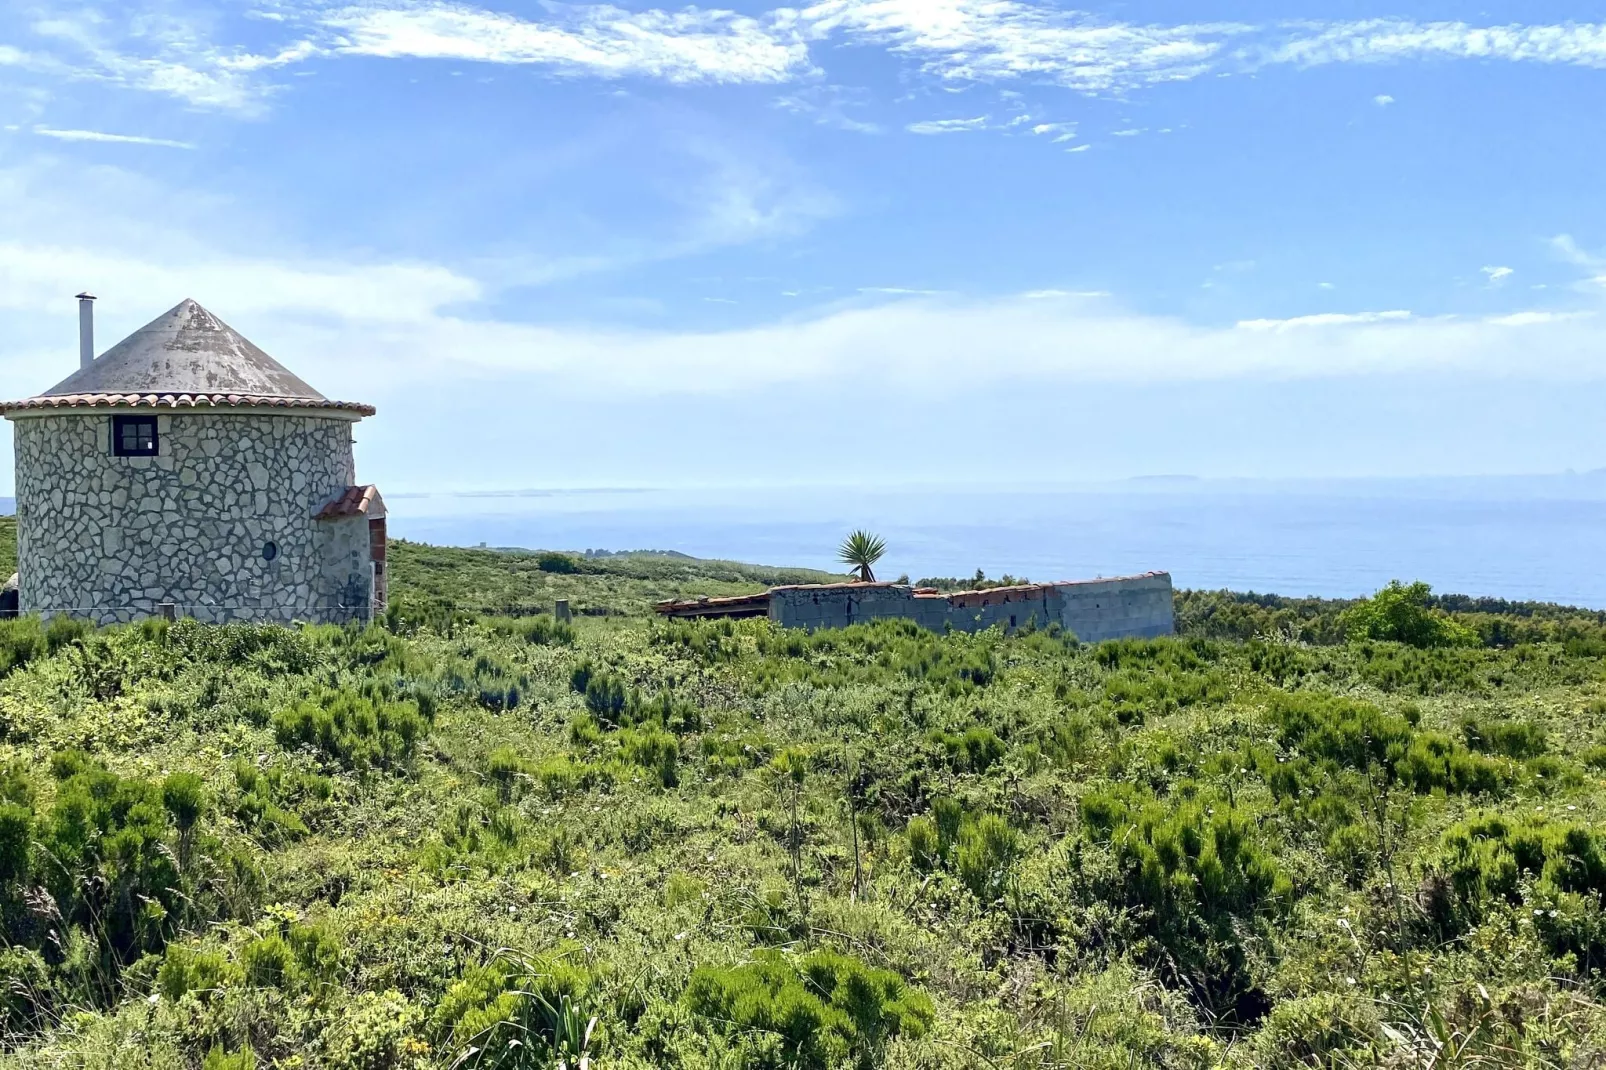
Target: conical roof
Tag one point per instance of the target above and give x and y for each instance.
(184, 357)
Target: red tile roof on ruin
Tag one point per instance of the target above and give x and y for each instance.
(353, 501)
(754, 605)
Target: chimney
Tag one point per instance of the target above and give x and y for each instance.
(86, 330)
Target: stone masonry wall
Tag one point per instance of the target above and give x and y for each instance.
(110, 537)
(1093, 610)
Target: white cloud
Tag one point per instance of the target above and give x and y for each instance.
(34, 277)
(345, 324)
(1326, 286)
(947, 126)
(1131, 132)
(1001, 39)
(1324, 319)
(944, 346)
(1382, 100)
(956, 41)
(1381, 40)
(690, 45)
(154, 52)
(117, 139)
(1497, 275)
(829, 105)
(1531, 319)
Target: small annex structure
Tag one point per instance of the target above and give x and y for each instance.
(186, 472)
(1092, 610)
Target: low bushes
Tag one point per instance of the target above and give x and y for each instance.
(516, 1012)
(352, 730)
(1197, 871)
(979, 848)
(819, 1010)
(1556, 867)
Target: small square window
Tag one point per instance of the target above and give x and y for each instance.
(134, 436)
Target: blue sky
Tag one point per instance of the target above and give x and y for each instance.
(860, 240)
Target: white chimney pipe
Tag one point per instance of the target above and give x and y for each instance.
(86, 330)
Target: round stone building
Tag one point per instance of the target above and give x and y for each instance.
(187, 472)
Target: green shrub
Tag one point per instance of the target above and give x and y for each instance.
(184, 796)
(376, 1031)
(353, 730)
(218, 1059)
(506, 770)
(986, 850)
(1514, 739)
(515, 1012)
(975, 751)
(1199, 872)
(824, 1009)
(606, 698)
(537, 631)
(1347, 733)
(185, 970)
(1434, 762)
(268, 962)
(111, 871)
(1402, 614)
(1487, 858)
(924, 850)
(1319, 1030)
(21, 640)
(16, 834)
(1332, 735)
(266, 798)
(652, 749)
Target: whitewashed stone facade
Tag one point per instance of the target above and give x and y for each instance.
(246, 511)
(113, 537)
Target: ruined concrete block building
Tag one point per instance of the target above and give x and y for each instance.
(1128, 607)
(187, 468)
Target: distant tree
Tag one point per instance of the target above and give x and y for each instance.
(1403, 613)
(861, 550)
(556, 562)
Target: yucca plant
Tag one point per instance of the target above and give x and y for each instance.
(861, 550)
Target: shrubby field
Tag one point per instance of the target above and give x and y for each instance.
(1301, 834)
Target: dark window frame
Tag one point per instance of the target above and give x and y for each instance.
(128, 439)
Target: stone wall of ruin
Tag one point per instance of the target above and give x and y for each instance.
(1092, 610)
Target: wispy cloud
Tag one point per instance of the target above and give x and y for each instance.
(947, 126)
(1324, 319)
(991, 40)
(690, 45)
(830, 105)
(1382, 100)
(1385, 40)
(115, 139)
(1497, 275)
(954, 41)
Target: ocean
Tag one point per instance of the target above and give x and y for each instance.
(1534, 538)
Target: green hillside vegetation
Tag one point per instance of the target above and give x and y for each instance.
(8, 546)
(1304, 833)
(428, 579)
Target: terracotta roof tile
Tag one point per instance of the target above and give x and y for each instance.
(181, 401)
(353, 501)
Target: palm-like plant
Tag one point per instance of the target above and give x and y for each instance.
(862, 550)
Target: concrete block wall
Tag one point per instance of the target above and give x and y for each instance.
(1094, 610)
(1130, 607)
